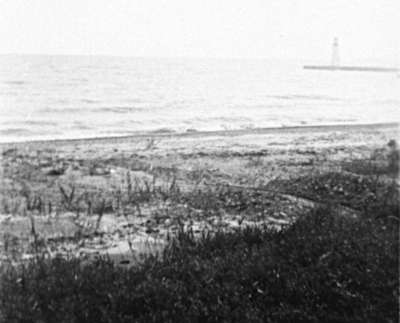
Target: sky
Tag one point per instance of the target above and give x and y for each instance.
(289, 29)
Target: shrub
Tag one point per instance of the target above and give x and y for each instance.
(393, 157)
(323, 268)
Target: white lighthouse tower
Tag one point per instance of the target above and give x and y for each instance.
(335, 62)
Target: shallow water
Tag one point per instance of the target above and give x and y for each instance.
(47, 97)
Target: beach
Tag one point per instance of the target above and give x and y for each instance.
(125, 196)
(190, 161)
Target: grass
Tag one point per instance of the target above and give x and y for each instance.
(367, 185)
(323, 268)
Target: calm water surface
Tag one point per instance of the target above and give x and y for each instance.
(47, 97)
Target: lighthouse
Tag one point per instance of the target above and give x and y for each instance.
(335, 61)
(335, 64)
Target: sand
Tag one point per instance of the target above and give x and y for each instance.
(99, 168)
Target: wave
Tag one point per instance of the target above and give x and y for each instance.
(33, 123)
(15, 82)
(117, 109)
(90, 101)
(163, 130)
(81, 126)
(20, 132)
(305, 97)
(387, 101)
(114, 109)
(39, 123)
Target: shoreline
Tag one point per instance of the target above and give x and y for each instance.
(46, 180)
(203, 134)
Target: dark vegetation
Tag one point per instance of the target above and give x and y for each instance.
(325, 267)
(367, 185)
(366, 194)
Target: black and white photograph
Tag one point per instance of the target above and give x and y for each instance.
(199, 161)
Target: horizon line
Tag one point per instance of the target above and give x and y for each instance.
(192, 57)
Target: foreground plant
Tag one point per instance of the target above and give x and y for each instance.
(323, 268)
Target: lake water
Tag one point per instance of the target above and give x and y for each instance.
(48, 97)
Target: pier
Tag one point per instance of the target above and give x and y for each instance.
(352, 68)
(335, 64)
